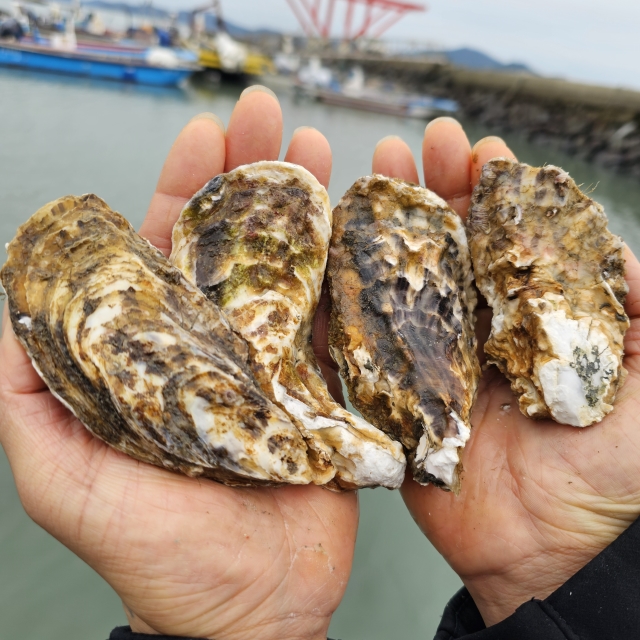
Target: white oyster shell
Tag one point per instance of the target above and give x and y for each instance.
(554, 276)
(402, 324)
(255, 241)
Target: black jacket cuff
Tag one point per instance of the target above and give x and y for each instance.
(600, 602)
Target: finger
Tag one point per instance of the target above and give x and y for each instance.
(255, 128)
(446, 158)
(17, 374)
(35, 429)
(311, 150)
(320, 343)
(482, 329)
(632, 306)
(197, 155)
(485, 150)
(393, 158)
(5, 318)
(632, 276)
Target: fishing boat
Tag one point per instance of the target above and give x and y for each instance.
(408, 106)
(153, 66)
(23, 46)
(215, 56)
(219, 51)
(318, 82)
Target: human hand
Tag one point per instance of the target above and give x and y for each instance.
(538, 499)
(187, 557)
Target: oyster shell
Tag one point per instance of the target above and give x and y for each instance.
(255, 241)
(138, 354)
(402, 320)
(554, 276)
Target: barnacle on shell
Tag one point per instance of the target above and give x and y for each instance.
(402, 324)
(138, 354)
(554, 276)
(255, 241)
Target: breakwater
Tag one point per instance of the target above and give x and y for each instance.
(594, 123)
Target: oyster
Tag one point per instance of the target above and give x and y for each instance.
(554, 276)
(255, 241)
(138, 354)
(402, 320)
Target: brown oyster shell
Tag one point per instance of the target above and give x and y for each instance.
(554, 276)
(255, 241)
(402, 324)
(138, 354)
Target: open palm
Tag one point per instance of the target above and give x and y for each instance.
(538, 499)
(187, 557)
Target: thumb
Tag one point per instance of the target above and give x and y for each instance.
(17, 374)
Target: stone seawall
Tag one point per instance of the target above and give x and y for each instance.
(598, 124)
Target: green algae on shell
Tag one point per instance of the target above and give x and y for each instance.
(255, 241)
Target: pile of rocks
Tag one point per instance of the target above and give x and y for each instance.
(607, 136)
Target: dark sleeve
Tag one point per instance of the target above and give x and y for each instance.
(600, 602)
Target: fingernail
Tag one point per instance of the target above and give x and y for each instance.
(303, 128)
(209, 116)
(488, 139)
(441, 119)
(387, 138)
(258, 87)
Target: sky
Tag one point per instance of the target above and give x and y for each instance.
(596, 41)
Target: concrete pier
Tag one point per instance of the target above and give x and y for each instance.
(599, 124)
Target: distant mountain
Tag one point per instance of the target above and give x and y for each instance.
(124, 7)
(234, 30)
(473, 59)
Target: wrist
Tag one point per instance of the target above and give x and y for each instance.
(139, 626)
(291, 627)
(498, 595)
(126, 633)
(136, 624)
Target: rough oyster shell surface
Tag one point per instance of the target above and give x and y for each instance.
(138, 354)
(554, 276)
(255, 241)
(402, 324)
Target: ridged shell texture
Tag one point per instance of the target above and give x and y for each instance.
(554, 275)
(402, 325)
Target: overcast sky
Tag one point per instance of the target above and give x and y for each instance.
(593, 40)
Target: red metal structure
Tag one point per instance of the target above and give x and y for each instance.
(376, 16)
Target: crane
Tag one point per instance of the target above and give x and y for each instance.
(316, 16)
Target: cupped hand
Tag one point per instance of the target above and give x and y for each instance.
(538, 499)
(187, 556)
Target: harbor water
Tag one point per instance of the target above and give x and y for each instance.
(60, 136)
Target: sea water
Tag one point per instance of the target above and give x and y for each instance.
(59, 136)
